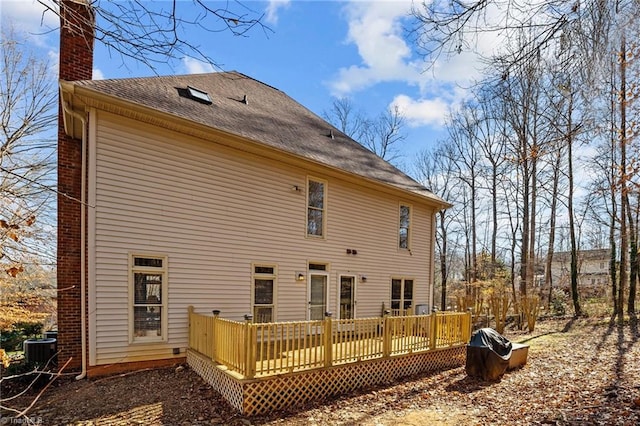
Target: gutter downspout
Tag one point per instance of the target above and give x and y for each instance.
(83, 226)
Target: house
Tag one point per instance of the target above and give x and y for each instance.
(593, 271)
(220, 192)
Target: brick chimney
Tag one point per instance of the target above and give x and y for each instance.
(77, 20)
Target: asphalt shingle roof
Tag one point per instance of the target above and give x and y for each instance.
(269, 117)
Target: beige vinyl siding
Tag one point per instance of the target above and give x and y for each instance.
(214, 211)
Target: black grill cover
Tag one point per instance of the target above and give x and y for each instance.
(488, 354)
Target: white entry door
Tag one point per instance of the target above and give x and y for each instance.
(317, 296)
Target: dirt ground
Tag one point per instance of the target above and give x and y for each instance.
(579, 372)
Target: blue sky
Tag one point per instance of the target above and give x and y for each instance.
(317, 50)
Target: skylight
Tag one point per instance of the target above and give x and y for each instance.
(199, 95)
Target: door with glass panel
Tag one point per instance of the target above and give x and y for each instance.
(317, 296)
(347, 294)
(263, 293)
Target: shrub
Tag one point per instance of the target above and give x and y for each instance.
(559, 302)
(12, 339)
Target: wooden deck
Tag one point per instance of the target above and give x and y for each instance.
(253, 350)
(258, 368)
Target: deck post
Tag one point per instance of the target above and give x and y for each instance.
(249, 348)
(433, 333)
(386, 334)
(214, 331)
(190, 325)
(328, 339)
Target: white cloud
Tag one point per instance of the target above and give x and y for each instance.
(375, 28)
(98, 74)
(422, 112)
(53, 57)
(194, 66)
(272, 10)
(31, 18)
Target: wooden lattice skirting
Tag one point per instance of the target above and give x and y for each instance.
(257, 396)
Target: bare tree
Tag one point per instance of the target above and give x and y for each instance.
(491, 140)
(551, 79)
(465, 153)
(613, 180)
(521, 97)
(436, 169)
(344, 116)
(27, 155)
(451, 27)
(153, 33)
(604, 189)
(28, 115)
(384, 134)
(554, 193)
(381, 135)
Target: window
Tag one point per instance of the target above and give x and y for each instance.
(199, 95)
(317, 266)
(401, 296)
(404, 230)
(149, 298)
(316, 208)
(264, 279)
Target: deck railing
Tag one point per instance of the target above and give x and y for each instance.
(263, 349)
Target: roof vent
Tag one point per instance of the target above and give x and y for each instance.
(245, 100)
(331, 134)
(199, 95)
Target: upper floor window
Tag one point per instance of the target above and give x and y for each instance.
(149, 298)
(316, 208)
(264, 285)
(405, 227)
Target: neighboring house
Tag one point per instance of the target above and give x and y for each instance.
(593, 270)
(221, 192)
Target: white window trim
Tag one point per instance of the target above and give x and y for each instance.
(164, 291)
(274, 276)
(324, 208)
(409, 229)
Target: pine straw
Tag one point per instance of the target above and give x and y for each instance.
(578, 372)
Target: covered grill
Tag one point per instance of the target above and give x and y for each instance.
(488, 354)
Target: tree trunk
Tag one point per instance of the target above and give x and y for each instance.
(524, 258)
(548, 279)
(624, 244)
(531, 264)
(494, 213)
(633, 260)
(443, 262)
(577, 310)
(474, 233)
(613, 256)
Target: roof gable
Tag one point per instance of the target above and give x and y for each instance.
(260, 114)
